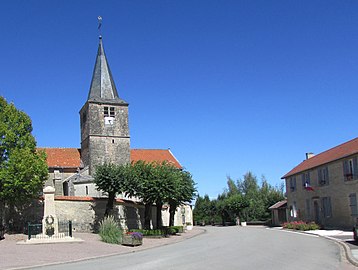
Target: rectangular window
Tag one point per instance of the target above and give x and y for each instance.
(350, 169)
(323, 176)
(353, 204)
(306, 179)
(105, 111)
(108, 111)
(326, 207)
(293, 183)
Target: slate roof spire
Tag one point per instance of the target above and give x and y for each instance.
(102, 87)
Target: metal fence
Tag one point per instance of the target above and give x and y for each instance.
(33, 229)
(64, 228)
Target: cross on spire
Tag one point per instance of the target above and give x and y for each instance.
(99, 25)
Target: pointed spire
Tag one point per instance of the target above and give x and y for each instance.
(102, 87)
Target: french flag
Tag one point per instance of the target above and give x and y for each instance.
(308, 187)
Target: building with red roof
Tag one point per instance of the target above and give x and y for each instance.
(105, 138)
(323, 188)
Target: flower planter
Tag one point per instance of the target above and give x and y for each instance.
(129, 240)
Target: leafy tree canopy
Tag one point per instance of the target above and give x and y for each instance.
(111, 179)
(23, 170)
(245, 199)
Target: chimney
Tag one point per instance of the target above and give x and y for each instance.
(309, 155)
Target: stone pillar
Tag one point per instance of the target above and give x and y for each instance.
(49, 221)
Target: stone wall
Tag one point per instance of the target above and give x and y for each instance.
(86, 213)
(102, 142)
(183, 216)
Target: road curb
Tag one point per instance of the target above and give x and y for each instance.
(346, 248)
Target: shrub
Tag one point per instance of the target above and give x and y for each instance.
(177, 229)
(301, 226)
(109, 231)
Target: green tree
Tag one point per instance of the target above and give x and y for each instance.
(184, 191)
(201, 211)
(246, 200)
(23, 170)
(159, 183)
(232, 188)
(165, 182)
(111, 179)
(141, 185)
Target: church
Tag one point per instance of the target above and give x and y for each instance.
(104, 138)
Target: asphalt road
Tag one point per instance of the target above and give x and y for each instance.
(229, 248)
(353, 245)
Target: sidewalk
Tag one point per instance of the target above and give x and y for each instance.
(15, 256)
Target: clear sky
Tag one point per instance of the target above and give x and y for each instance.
(228, 86)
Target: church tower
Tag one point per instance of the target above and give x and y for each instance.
(104, 119)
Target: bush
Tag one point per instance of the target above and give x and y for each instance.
(109, 231)
(177, 229)
(301, 226)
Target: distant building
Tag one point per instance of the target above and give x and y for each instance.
(278, 213)
(323, 188)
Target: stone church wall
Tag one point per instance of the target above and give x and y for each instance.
(86, 213)
(183, 215)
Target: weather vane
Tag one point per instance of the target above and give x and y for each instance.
(99, 25)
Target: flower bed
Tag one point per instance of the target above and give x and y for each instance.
(132, 239)
(301, 226)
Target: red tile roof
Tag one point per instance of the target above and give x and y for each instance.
(152, 155)
(341, 151)
(71, 157)
(63, 157)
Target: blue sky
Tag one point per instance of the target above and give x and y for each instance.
(228, 86)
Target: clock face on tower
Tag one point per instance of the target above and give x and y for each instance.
(109, 121)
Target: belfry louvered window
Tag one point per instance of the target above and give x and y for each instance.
(111, 111)
(108, 111)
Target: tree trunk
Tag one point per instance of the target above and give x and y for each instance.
(172, 209)
(159, 215)
(2, 219)
(147, 215)
(110, 203)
